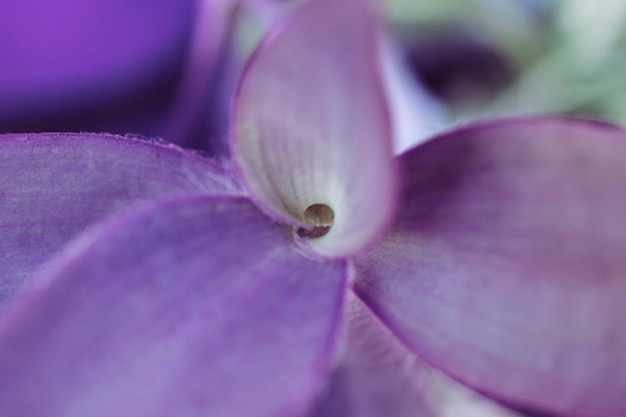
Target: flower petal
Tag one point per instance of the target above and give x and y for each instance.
(416, 115)
(205, 83)
(506, 267)
(52, 186)
(71, 58)
(448, 398)
(376, 376)
(189, 307)
(311, 124)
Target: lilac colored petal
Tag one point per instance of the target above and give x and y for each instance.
(208, 54)
(415, 114)
(311, 124)
(375, 376)
(506, 267)
(61, 56)
(52, 186)
(189, 307)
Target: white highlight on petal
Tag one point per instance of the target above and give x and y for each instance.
(448, 398)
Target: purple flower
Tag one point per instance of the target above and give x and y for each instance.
(494, 252)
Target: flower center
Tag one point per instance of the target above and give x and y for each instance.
(320, 217)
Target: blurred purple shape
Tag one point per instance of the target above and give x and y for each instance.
(457, 64)
(64, 60)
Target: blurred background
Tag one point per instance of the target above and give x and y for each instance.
(166, 68)
(485, 57)
(145, 67)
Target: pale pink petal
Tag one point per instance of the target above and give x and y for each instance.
(311, 124)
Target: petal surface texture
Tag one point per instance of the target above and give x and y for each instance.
(52, 186)
(506, 267)
(61, 55)
(311, 124)
(375, 376)
(190, 307)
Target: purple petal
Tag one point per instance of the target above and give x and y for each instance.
(63, 58)
(376, 376)
(311, 124)
(415, 114)
(204, 78)
(52, 186)
(506, 267)
(189, 307)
